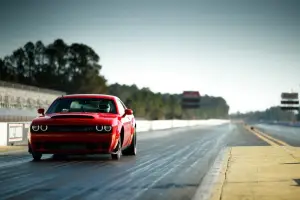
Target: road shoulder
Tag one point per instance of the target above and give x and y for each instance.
(212, 184)
(261, 173)
(258, 172)
(9, 149)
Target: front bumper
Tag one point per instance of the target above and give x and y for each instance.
(77, 143)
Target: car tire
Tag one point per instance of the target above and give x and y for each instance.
(131, 150)
(36, 156)
(118, 151)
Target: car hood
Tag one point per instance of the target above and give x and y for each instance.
(77, 118)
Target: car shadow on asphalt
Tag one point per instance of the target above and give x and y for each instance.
(72, 158)
(296, 163)
(84, 158)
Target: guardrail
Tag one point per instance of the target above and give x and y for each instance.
(15, 133)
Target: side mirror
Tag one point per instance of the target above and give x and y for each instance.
(41, 111)
(128, 112)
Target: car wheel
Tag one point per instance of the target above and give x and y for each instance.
(116, 155)
(29, 148)
(131, 150)
(36, 156)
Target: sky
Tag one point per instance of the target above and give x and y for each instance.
(244, 51)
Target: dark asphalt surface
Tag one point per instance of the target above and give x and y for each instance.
(170, 165)
(290, 135)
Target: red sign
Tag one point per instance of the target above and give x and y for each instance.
(192, 94)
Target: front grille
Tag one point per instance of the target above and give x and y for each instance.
(71, 128)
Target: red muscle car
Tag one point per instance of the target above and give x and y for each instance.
(83, 124)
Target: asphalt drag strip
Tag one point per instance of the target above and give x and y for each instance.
(171, 164)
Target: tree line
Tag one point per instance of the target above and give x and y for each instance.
(75, 68)
(270, 114)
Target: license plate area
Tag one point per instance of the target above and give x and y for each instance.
(64, 146)
(72, 146)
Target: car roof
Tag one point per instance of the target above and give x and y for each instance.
(104, 96)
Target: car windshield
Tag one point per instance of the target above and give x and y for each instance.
(82, 105)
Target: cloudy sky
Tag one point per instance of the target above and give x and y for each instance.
(245, 51)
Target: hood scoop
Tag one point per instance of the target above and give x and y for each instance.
(72, 117)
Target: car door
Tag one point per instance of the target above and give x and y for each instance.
(126, 122)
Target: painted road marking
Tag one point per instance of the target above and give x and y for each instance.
(218, 187)
(270, 142)
(272, 138)
(267, 138)
(211, 186)
(280, 142)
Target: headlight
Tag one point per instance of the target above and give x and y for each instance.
(44, 127)
(107, 128)
(35, 127)
(100, 128)
(39, 128)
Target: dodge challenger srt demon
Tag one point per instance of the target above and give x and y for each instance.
(83, 124)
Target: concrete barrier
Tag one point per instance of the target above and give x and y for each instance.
(15, 133)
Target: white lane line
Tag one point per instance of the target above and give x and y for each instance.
(205, 189)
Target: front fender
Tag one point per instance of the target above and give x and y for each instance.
(119, 126)
(133, 125)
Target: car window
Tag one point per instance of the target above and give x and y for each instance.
(82, 105)
(121, 107)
